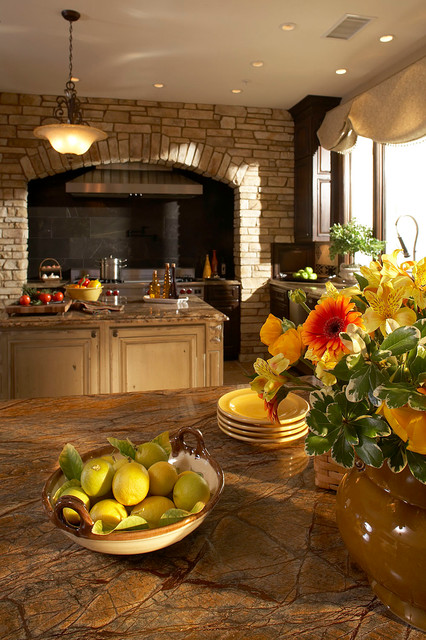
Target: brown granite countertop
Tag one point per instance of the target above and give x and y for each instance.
(135, 311)
(267, 564)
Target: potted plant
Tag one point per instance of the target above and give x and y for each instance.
(350, 238)
(366, 345)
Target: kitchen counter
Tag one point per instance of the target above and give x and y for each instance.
(135, 310)
(267, 564)
(146, 346)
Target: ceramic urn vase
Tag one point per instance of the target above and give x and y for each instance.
(382, 519)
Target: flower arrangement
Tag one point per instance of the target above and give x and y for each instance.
(366, 344)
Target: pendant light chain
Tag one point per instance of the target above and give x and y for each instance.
(70, 56)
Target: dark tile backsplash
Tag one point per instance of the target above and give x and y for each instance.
(78, 232)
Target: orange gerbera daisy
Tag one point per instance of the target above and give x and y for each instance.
(324, 324)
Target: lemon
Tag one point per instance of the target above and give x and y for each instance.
(152, 508)
(189, 489)
(109, 511)
(148, 453)
(162, 478)
(131, 483)
(96, 477)
(70, 515)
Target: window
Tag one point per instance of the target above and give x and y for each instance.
(386, 184)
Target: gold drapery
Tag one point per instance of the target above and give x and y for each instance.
(392, 112)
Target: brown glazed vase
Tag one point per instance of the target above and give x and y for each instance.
(382, 519)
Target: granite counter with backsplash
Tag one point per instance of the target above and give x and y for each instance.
(268, 562)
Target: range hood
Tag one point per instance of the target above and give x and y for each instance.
(133, 179)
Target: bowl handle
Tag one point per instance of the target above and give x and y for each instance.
(86, 523)
(181, 445)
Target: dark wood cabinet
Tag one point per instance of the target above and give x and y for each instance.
(279, 302)
(316, 171)
(226, 297)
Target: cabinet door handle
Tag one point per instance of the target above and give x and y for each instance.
(115, 333)
(93, 334)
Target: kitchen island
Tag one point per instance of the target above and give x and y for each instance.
(267, 564)
(142, 347)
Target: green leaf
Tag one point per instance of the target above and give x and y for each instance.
(70, 462)
(417, 364)
(393, 449)
(342, 452)
(316, 445)
(397, 394)
(334, 413)
(132, 523)
(321, 399)
(164, 441)
(363, 282)
(417, 464)
(421, 326)
(369, 451)
(401, 340)
(359, 385)
(173, 515)
(318, 422)
(67, 485)
(417, 401)
(125, 447)
(351, 434)
(372, 426)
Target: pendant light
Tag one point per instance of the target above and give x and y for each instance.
(71, 135)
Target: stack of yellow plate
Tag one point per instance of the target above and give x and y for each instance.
(241, 415)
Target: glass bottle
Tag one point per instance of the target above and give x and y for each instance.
(166, 286)
(154, 288)
(214, 264)
(173, 291)
(207, 271)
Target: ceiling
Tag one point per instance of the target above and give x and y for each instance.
(202, 49)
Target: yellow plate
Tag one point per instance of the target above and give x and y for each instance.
(289, 439)
(239, 430)
(265, 429)
(246, 406)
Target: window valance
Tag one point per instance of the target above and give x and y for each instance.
(392, 112)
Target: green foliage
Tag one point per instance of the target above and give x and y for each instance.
(70, 462)
(353, 237)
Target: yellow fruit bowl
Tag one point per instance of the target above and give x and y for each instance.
(86, 294)
(184, 456)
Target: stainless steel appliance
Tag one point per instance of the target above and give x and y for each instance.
(110, 268)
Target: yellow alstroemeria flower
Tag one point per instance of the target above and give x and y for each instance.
(409, 425)
(268, 379)
(386, 304)
(271, 330)
(391, 269)
(289, 344)
(322, 370)
(419, 285)
(372, 274)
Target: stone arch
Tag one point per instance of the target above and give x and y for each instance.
(150, 149)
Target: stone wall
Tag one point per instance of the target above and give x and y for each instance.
(249, 148)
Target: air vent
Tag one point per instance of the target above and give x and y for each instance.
(348, 26)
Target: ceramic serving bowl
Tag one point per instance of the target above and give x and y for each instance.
(184, 456)
(86, 294)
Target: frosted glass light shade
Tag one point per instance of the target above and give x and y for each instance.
(70, 138)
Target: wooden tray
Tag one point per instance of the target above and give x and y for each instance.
(38, 309)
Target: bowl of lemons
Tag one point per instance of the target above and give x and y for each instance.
(128, 499)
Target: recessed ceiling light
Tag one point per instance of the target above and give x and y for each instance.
(387, 38)
(257, 63)
(158, 85)
(288, 26)
(341, 72)
(236, 90)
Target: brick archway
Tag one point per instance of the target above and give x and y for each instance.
(248, 148)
